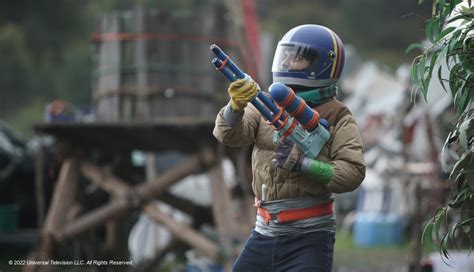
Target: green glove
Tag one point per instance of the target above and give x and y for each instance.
(319, 170)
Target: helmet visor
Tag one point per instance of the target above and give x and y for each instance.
(293, 57)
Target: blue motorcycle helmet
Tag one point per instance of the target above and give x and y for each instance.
(308, 56)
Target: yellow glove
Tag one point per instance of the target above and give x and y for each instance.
(241, 92)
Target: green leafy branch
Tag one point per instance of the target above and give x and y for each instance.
(454, 45)
(450, 38)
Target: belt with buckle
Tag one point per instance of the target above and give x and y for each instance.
(294, 214)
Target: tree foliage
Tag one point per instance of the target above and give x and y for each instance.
(450, 51)
(16, 60)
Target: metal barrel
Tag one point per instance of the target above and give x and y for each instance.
(227, 61)
(224, 69)
(295, 106)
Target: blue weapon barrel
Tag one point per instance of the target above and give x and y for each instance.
(227, 61)
(233, 73)
(295, 106)
(224, 69)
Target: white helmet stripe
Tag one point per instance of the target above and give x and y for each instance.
(304, 81)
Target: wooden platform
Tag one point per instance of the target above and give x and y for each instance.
(183, 134)
(193, 136)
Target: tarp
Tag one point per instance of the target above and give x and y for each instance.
(12, 151)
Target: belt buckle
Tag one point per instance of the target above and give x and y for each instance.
(274, 217)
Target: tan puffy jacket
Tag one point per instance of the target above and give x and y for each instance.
(344, 151)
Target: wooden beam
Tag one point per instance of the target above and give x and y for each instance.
(150, 190)
(93, 219)
(201, 214)
(183, 232)
(106, 182)
(132, 198)
(116, 186)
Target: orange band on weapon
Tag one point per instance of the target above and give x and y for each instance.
(299, 110)
(313, 122)
(283, 123)
(276, 117)
(288, 100)
(224, 63)
(290, 130)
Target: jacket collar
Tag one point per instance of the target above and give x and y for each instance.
(318, 96)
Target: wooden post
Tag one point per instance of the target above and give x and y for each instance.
(62, 200)
(160, 55)
(239, 26)
(115, 245)
(247, 208)
(39, 183)
(142, 107)
(108, 70)
(224, 216)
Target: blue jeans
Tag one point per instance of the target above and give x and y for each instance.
(306, 252)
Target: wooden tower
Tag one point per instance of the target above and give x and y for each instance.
(154, 89)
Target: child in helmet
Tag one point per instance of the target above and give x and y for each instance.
(295, 226)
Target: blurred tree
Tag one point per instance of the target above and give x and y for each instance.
(376, 28)
(378, 24)
(74, 75)
(49, 25)
(16, 70)
(35, 39)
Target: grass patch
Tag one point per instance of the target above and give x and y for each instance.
(346, 254)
